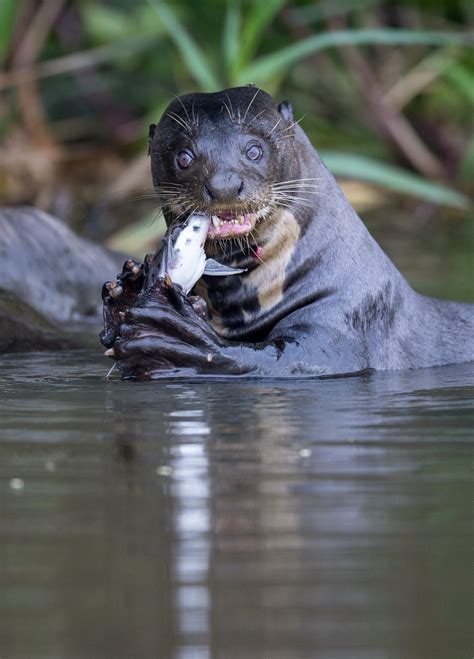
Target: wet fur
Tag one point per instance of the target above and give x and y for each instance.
(324, 298)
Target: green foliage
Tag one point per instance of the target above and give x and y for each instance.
(105, 24)
(231, 34)
(349, 165)
(8, 13)
(194, 58)
(144, 51)
(257, 21)
(278, 61)
(463, 80)
(242, 37)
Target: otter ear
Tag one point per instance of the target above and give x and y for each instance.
(286, 111)
(151, 133)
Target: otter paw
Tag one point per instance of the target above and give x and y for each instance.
(118, 295)
(163, 335)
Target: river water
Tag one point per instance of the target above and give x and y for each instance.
(239, 520)
(325, 519)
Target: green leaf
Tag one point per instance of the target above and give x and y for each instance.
(230, 36)
(462, 78)
(8, 13)
(466, 168)
(194, 58)
(269, 65)
(350, 165)
(258, 18)
(103, 23)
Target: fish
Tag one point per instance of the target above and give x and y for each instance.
(182, 258)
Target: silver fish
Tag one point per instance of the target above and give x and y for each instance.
(182, 257)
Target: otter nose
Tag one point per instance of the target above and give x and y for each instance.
(223, 188)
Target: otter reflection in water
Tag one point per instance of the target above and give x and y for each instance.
(316, 296)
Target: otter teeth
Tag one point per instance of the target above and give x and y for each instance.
(217, 222)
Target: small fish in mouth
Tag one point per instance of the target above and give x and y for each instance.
(182, 257)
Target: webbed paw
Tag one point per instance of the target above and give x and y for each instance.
(162, 333)
(118, 295)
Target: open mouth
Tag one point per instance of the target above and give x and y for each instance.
(232, 224)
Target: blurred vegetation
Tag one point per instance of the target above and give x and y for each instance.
(386, 90)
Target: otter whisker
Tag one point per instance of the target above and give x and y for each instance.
(174, 200)
(295, 123)
(228, 110)
(255, 117)
(155, 216)
(225, 244)
(168, 187)
(268, 134)
(280, 138)
(187, 211)
(140, 197)
(286, 195)
(184, 107)
(291, 197)
(179, 120)
(169, 183)
(294, 200)
(297, 180)
(168, 193)
(232, 115)
(297, 194)
(195, 120)
(291, 204)
(249, 105)
(248, 242)
(296, 185)
(175, 204)
(177, 199)
(299, 189)
(255, 252)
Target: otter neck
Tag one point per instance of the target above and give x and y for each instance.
(247, 306)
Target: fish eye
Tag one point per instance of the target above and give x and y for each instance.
(254, 152)
(184, 159)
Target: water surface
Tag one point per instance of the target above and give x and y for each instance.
(236, 520)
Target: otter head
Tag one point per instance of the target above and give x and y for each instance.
(228, 154)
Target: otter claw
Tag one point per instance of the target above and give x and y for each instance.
(113, 288)
(116, 291)
(132, 267)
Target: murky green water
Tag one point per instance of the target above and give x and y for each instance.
(276, 520)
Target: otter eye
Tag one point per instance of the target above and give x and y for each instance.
(254, 152)
(184, 159)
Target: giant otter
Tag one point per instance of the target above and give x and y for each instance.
(318, 296)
